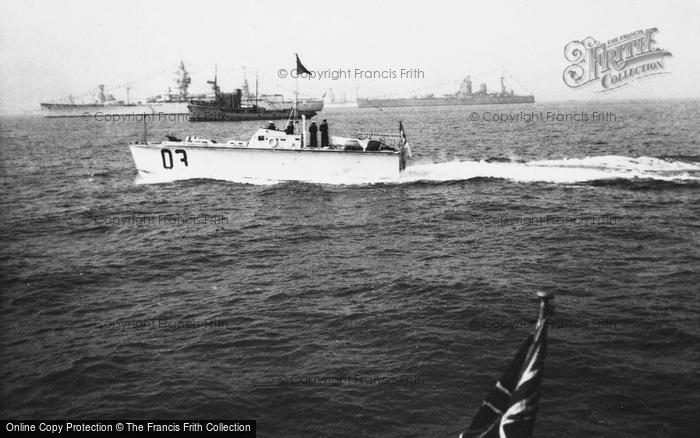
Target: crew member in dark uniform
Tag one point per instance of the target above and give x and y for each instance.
(313, 140)
(324, 133)
(289, 130)
(271, 125)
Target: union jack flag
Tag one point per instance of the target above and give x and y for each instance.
(510, 409)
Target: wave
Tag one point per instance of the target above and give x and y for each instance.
(687, 158)
(151, 179)
(569, 170)
(564, 171)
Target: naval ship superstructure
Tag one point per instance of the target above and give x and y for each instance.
(241, 105)
(465, 96)
(274, 102)
(105, 104)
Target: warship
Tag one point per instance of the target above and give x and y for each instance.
(465, 96)
(170, 102)
(277, 101)
(241, 105)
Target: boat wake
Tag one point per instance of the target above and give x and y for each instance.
(564, 171)
(557, 171)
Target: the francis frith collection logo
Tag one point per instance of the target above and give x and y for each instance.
(616, 62)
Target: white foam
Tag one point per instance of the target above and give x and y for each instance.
(150, 179)
(568, 170)
(557, 171)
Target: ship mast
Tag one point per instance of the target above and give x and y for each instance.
(101, 93)
(182, 80)
(214, 84)
(296, 99)
(245, 89)
(256, 90)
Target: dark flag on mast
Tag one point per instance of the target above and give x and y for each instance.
(300, 67)
(509, 410)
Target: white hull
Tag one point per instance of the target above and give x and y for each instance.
(269, 103)
(341, 105)
(156, 108)
(169, 161)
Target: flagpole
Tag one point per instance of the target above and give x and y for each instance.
(296, 89)
(544, 298)
(511, 407)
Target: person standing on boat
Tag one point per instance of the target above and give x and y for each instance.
(271, 125)
(313, 140)
(324, 133)
(289, 130)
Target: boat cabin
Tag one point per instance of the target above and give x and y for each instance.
(273, 139)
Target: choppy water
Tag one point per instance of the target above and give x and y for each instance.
(359, 310)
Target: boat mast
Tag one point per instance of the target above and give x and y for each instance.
(145, 130)
(293, 112)
(296, 96)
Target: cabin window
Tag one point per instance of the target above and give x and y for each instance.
(261, 137)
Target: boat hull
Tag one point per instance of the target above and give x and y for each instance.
(307, 105)
(207, 113)
(444, 101)
(96, 110)
(173, 161)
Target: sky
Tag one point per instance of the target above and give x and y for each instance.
(52, 49)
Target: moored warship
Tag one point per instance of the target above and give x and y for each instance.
(465, 96)
(278, 101)
(241, 105)
(170, 102)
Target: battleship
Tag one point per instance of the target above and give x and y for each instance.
(465, 96)
(170, 102)
(241, 105)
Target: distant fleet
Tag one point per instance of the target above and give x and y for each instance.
(243, 104)
(170, 102)
(240, 104)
